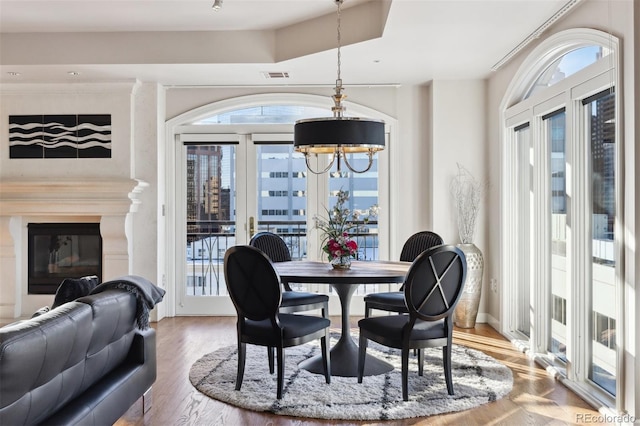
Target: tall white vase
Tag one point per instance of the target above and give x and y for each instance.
(467, 308)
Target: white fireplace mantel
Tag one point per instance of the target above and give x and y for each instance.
(108, 201)
(71, 197)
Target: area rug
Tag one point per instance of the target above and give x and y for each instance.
(477, 379)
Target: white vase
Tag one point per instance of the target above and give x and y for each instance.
(467, 308)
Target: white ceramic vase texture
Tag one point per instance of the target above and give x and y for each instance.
(467, 308)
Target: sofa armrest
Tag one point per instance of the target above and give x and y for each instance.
(109, 398)
(143, 347)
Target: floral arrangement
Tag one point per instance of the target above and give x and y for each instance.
(336, 242)
(340, 246)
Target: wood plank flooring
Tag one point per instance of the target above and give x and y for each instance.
(536, 398)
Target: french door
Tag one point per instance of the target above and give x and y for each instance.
(233, 186)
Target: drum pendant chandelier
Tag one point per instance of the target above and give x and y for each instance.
(338, 135)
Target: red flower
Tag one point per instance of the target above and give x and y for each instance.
(340, 247)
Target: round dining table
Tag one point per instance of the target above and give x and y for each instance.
(344, 354)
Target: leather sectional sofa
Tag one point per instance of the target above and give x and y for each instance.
(84, 362)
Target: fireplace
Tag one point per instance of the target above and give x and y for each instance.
(111, 203)
(62, 250)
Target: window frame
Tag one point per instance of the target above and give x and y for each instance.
(516, 111)
(183, 124)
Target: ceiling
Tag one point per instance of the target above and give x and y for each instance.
(185, 42)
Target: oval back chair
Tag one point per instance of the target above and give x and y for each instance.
(393, 301)
(292, 301)
(432, 289)
(254, 287)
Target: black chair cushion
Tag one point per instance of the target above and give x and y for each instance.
(293, 326)
(390, 328)
(390, 298)
(296, 298)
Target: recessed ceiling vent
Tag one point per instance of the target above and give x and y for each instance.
(275, 74)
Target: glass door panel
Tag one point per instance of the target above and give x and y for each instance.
(525, 229)
(274, 185)
(211, 216)
(281, 195)
(363, 203)
(559, 202)
(602, 364)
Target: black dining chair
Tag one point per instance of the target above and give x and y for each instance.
(432, 289)
(393, 301)
(292, 301)
(254, 287)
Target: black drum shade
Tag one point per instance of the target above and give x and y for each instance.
(345, 134)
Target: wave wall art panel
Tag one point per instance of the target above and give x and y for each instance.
(60, 136)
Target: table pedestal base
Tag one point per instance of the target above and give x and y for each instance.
(344, 361)
(344, 354)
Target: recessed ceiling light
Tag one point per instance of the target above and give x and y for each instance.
(13, 73)
(74, 73)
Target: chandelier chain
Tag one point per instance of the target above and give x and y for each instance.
(339, 2)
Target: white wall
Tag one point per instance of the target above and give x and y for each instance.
(146, 133)
(459, 137)
(412, 160)
(124, 183)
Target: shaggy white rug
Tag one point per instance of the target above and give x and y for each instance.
(477, 379)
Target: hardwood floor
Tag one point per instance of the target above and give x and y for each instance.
(536, 398)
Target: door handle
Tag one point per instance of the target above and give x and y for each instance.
(252, 226)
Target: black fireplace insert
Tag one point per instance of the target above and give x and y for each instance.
(62, 250)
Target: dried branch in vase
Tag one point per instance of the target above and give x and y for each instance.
(467, 193)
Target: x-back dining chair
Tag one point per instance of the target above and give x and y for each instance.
(254, 287)
(393, 301)
(292, 301)
(432, 289)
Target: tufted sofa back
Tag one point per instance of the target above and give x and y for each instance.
(47, 361)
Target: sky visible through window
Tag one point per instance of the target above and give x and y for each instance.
(268, 114)
(578, 59)
(568, 64)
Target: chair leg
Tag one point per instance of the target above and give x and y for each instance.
(326, 357)
(280, 352)
(242, 356)
(367, 311)
(325, 311)
(270, 356)
(405, 374)
(420, 361)
(446, 357)
(362, 353)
